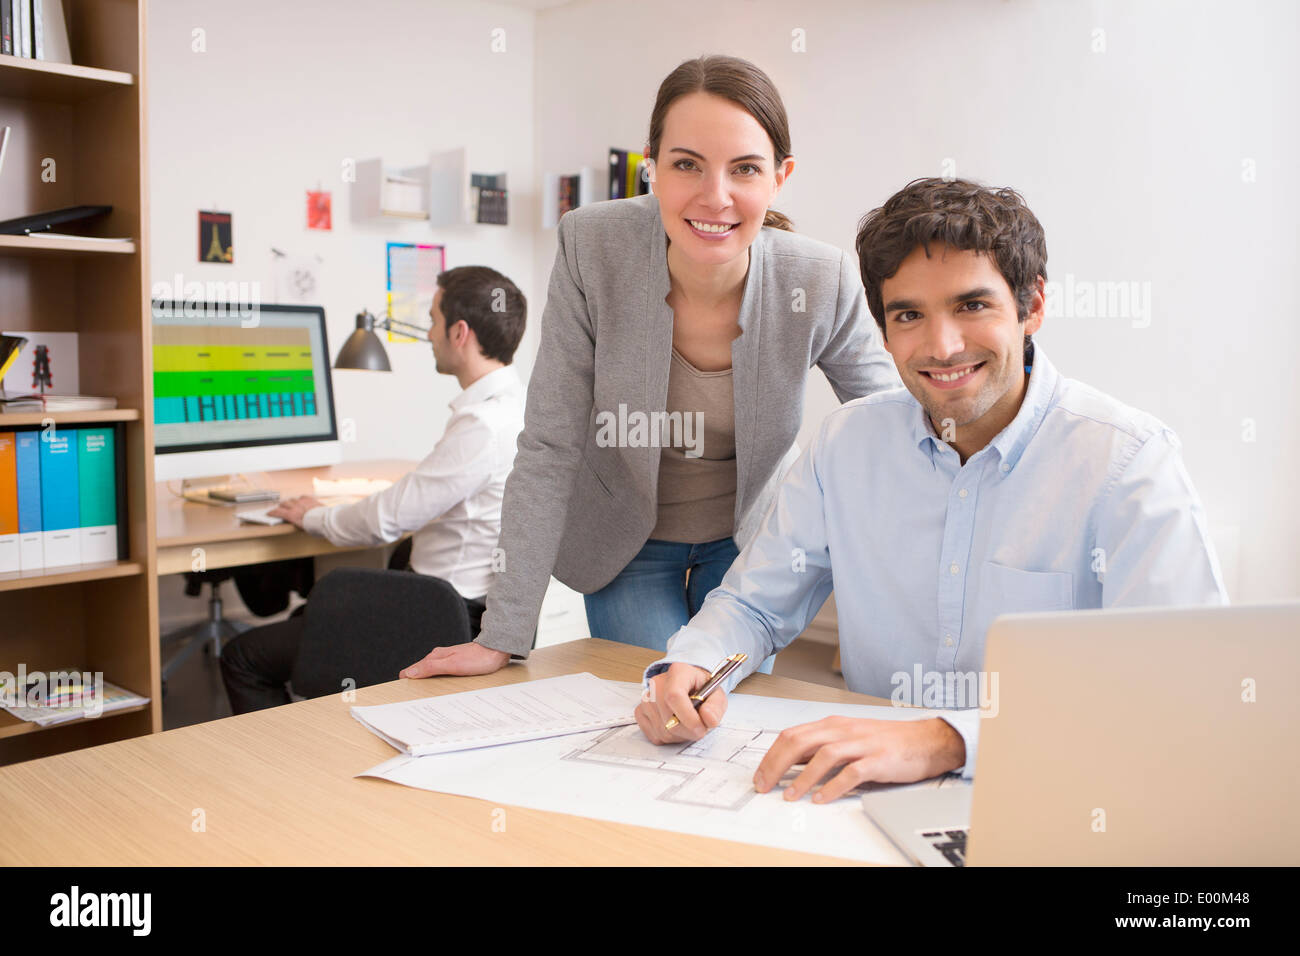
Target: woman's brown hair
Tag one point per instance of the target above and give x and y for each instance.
(739, 81)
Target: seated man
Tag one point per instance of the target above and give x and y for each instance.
(451, 501)
(989, 484)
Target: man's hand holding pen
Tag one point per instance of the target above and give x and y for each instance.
(669, 696)
(686, 702)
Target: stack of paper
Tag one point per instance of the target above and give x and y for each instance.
(74, 702)
(500, 715)
(57, 403)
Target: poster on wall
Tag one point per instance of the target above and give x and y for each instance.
(215, 242)
(412, 281)
(318, 209)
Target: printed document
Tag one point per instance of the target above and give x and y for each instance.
(703, 788)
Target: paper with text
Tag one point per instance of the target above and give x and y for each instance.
(531, 710)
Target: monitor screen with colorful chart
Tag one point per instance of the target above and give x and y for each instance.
(229, 379)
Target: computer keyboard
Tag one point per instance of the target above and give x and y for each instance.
(951, 843)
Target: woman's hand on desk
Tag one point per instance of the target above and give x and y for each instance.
(669, 695)
(293, 509)
(459, 660)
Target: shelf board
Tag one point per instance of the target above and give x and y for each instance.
(70, 418)
(41, 246)
(11, 726)
(26, 78)
(68, 574)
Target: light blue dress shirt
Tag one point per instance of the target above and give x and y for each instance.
(1080, 502)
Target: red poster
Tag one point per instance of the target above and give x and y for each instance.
(318, 210)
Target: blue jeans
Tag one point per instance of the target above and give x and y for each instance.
(652, 597)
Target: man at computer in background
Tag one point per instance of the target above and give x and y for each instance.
(451, 501)
(981, 488)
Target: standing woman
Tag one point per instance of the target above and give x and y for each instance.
(697, 301)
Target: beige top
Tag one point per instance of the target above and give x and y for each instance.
(697, 466)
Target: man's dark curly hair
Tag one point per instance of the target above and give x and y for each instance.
(963, 215)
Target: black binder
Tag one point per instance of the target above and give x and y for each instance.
(46, 221)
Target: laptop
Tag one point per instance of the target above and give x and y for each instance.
(1159, 736)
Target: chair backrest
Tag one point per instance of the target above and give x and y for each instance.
(365, 625)
(400, 560)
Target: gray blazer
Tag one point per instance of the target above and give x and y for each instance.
(581, 511)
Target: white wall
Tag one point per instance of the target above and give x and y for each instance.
(1132, 158)
(284, 93)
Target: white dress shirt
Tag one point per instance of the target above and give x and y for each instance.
(1080, 502)
(452, 500)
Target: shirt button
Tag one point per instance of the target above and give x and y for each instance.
(952, 569)
(1005, 468)
(962, 493)
(947, 642)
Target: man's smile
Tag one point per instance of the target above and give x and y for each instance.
(953, 377)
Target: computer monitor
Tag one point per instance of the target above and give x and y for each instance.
(240, 389)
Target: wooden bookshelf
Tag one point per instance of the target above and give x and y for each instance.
(62, 248)
(69, 574)
(69, 418)
(46, 82)
(11, 726)
(90, 119)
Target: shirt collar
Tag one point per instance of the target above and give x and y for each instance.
(493, 383)
(1012, 441)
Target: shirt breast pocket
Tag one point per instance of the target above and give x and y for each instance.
(1013, 591)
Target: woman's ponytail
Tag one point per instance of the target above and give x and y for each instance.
(778, 220)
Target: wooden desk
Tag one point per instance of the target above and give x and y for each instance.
(277, 787)
(228, 542)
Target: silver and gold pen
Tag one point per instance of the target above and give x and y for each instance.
(715, 680)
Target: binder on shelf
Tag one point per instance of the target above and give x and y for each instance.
(60, 503)
(31, 543)
(635, 164)
(617, 173)
(7, 27)
(488, 198)
(564, 193)
(34, 28)
(97, 494)
(9, 549)
(38, 30)
(62, 497)
(19, 29)
(627, 174)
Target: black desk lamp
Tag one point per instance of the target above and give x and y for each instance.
(363, 348)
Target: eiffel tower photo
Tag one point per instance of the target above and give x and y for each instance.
(219, 246)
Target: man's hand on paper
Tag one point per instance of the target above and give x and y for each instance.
(885, 751)
(293, 509)
(669, 695)
(459, 660)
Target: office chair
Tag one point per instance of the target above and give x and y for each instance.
(365, 625)
(264, 589)
(215, 628)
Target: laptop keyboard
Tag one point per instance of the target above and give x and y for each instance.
(951, 843)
